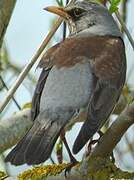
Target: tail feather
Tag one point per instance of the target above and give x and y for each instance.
(45, 145)
(36, 146)
(12, 155)
(46, 152)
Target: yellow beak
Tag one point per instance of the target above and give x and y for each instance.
(58, 10)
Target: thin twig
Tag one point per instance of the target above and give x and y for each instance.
(64, 30)
(4, 84)
(64, 25)
(6, 9)
(124, 10)
(27, 68)
(124, 27)
(51, 159)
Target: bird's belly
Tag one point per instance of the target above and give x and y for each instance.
(67, 87)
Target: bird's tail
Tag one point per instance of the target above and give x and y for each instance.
(36, 146)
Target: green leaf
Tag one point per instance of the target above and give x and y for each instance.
(59, 2)
(27, 105)
(114, 5)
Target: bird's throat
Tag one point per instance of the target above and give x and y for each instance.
(72, 27)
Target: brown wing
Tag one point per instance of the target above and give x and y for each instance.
(47, 60)
(110, 70)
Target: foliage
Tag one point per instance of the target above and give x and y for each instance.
(59, 2)
(40, 172)
(114, 5)
(2, 175)
(27, 105)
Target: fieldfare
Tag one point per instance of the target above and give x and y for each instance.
(81, 80)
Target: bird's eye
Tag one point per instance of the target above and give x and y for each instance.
(77, 12)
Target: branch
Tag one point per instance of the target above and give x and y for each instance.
(13, 129)
(5, 86)
(116, 131)
(6, 9)
(121, 104)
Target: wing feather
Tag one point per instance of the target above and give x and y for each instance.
(109, 84)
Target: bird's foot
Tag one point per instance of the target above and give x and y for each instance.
(73, 161)
(93, 142)
(89, 146)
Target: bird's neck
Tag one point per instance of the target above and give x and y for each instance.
(99, 30)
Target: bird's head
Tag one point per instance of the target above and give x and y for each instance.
(87, 18)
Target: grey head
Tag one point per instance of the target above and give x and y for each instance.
(91, 18)
(87, 18)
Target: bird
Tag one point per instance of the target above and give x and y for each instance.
(81, 80)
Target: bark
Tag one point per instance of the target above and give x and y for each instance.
(13, 129)
(6, 9)
(121, 104)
